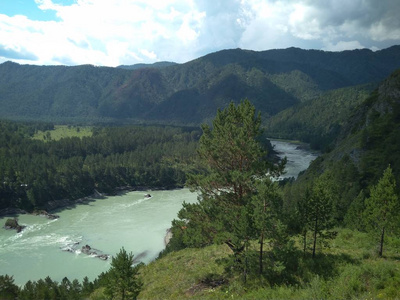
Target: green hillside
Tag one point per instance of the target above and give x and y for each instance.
(187, 93)
(366, 144)
(330, 234)
(318, 121)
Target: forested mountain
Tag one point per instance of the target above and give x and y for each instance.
(367, 143)
(247, 236)
(318, 121)
(371, 136)
(187, 93)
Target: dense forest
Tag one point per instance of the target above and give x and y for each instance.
(34, 172)
(185, 94)
(333, 233)
(330, 234)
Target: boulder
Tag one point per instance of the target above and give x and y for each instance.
(86, 249)
(13, 224)
(90, 251)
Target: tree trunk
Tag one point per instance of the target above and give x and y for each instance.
(245, 264)
(315, 237)
(305, 242)
(262, 241)
(382, 237)
(261, 252)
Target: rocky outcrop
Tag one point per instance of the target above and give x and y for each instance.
(168, 236)
(13, 224)
(90, 251)
(86, 249)
(43, 213)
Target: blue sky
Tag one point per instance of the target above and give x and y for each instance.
(26, 8)
(30, 9)
(115, 32)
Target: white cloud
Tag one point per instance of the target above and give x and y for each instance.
(149, 54)
(380, 32)
(343, 45)
(96, 32)
(103, 32)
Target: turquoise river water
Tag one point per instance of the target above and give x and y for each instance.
(130, 220)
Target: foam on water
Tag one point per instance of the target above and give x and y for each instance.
(137, 202)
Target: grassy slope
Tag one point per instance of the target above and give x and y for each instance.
(179, 274)
(349, 269)
(63, 131)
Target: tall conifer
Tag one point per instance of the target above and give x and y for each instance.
(382, 213)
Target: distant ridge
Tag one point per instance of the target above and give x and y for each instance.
(189, 93)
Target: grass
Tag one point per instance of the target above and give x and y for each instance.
(348, 269)
(63, 131)
(180, 274)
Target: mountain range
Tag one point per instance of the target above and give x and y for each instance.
(189, 93)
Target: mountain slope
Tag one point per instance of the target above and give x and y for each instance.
(319, 120)
(187, 93)
(367, 143)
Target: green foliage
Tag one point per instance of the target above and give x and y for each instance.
(181, 274)
(120, 282)
(34, 172)
(121, 279)
(233, 157)
(8, 290)
(315, 212)
(63, 131)
(319, 120)
(354, 216)
(343, 271)
(186, 93)
(237, 200)
(382, 207)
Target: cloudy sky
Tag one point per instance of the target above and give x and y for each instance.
(115, 32)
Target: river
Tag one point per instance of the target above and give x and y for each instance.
(298, 155)
(130, 220)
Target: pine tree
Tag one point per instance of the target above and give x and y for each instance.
(382, 211)
(302, 213)
(122, 281)
(8, 290)
(266, 204)
(235, 162)
(315, 209)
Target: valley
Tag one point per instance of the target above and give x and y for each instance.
(329, 231)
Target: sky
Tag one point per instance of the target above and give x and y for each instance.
(126, 32)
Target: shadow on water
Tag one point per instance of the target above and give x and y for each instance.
(74, 204)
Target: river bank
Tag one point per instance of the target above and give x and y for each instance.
(128, 219)
(58, 205)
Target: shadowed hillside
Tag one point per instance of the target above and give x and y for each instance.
(187, 93)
